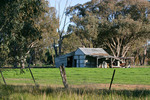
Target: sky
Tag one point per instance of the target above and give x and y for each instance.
(55, 3)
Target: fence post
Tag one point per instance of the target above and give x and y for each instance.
(63, 76)
(3, 77)
(31, 72)
(112, 79)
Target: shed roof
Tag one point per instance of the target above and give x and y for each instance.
(94, 51)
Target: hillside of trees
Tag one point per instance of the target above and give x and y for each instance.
(30, 30)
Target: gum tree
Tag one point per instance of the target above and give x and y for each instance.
(21, 27)
(116, 25)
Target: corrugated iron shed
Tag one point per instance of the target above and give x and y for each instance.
(83, 57)
(94, 51)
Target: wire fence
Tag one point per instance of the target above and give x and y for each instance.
(77, 77)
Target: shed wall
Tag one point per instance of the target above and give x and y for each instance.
(59, 61)
(80, 58)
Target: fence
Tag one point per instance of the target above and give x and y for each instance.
(77, 77)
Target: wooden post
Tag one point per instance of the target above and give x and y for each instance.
(63, 76)
(97, 62)
(3, 77)
(111, 65)
(31, 72)
(112, 79)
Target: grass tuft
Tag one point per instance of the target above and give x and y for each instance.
(51, 93)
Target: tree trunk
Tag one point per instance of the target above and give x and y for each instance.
(22, 63)
(140, 59)
(55, 48)
(15, 62)
(52, 57)
(60, 45)
(144, 55)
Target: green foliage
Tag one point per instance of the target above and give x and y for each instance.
(48, 24)
(85, 28)
(26, 26)
(4, 54)
(114, 25)
(70, 43)
(18, 26)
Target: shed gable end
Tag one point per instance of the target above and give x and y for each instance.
(79, 52)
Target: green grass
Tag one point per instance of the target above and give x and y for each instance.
(49, 93)
(76, 76)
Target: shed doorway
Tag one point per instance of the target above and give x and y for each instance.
(69, 61)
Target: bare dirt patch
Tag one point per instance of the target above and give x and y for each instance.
(95, 86)
(114, 86)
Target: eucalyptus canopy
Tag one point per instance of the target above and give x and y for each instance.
(113, 24)
(22, 24)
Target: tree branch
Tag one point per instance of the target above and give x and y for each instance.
(111, 49)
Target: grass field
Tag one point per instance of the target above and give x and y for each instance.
(78, 76)
(49, 78)
(48, 93)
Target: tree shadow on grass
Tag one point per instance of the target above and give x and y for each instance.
(6, 91)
